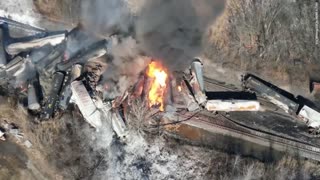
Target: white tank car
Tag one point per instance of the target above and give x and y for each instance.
(232, 105)
(310, 116)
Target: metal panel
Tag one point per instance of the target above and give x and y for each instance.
(85, 104)
(118, 124)
(199, 95)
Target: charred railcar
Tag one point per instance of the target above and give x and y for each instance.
(272, 94)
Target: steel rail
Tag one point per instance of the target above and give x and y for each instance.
(260, 137)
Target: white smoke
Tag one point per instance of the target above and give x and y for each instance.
(170, 31)
(106, 16)
(123, 71)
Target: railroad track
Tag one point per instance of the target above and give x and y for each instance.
(227, 126)
(267, 139)
(218, 84)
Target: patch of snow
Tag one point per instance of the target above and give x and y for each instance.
(20, 10)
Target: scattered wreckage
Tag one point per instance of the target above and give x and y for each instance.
(224, 101)
(10, 129)
(54, 58)
(217, 101)
(51, 73)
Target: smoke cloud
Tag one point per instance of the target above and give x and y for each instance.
(168, 30)
(106, 17)
(172, 30)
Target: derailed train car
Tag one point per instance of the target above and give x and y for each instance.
(309, 115)
(254, 84)
(213, 101)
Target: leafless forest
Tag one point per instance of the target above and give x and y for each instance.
(271, 38)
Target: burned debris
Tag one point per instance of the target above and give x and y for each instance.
(50, 104)
(8, 130)
(66, 92)
(93, 51)
(64, 75)
(58, 75)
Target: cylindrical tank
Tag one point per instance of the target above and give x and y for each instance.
(76, 72)
(33, 101)
(197, 70)
(3, 60)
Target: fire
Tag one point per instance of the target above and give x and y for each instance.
(179, 88)
(158, 77)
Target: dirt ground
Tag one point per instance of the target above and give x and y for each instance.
(18, 161)
(60, 10)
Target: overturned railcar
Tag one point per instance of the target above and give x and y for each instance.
(273, 95)
(311, 117)
(85, 104)
(14, 46)
(50, 106)
(195, 81)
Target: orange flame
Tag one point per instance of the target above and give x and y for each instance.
(158, 85)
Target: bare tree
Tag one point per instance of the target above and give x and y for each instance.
(270, 30)
(138, 116)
